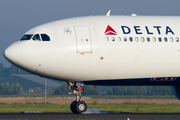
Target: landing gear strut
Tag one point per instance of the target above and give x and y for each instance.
(77, 106)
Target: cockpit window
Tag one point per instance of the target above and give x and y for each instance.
(26, 37)
(45, 37)
(36, 37)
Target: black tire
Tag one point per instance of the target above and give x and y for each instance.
(73, 105)
(80, 106)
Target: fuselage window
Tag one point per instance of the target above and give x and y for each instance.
(142, 39)
(131, 39)
(171, 39)
(154, 39)
(113, 39)
(136, 39)
(119, 39)
(26, 37)
(160, 40)
(125, 39)
(107, 39)
(177, 39)
(46, 37)
(148, 39)
(36, 37)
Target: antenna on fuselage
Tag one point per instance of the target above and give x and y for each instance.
(108, 13)
(134, 15)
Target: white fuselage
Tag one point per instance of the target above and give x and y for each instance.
(80, 49)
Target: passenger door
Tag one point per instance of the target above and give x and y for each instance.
(83, 39)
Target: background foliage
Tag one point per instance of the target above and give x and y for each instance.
(7, 89)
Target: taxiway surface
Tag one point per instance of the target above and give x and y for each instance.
(69, 116)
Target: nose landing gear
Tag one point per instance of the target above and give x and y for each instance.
(77, 106)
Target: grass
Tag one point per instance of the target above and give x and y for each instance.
(139, 108)
(46, 108)
(112, 108)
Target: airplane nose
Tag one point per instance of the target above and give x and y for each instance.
(13, 53)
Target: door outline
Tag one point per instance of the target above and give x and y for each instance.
(83, 39)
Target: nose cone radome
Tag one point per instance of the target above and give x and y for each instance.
(13, 53)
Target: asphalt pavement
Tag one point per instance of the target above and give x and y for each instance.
(71, 116)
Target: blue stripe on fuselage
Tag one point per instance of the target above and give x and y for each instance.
(140, 81)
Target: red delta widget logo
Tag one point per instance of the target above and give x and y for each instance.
(110, 31)
(139, 30)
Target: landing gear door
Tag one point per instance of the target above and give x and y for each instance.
(83, 39)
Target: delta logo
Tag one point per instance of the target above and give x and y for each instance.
(110, 31)
(140, 30)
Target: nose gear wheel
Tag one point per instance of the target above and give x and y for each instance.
(78, 107)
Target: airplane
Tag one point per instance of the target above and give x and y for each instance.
(102, 50)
